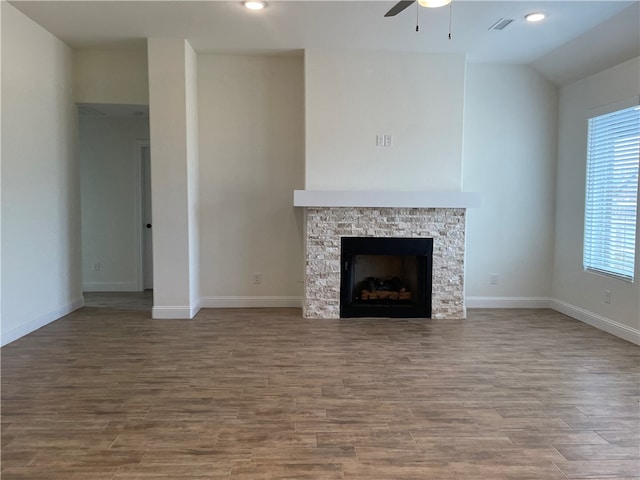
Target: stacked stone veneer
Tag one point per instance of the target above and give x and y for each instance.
(326, 225)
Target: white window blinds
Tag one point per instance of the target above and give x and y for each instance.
(612, 193)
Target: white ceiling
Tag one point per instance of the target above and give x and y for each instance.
(590, 32)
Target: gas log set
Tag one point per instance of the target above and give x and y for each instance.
(376, 290)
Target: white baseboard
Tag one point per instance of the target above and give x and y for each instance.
(508, 302)
(110, 287)
(610, 326)
(175, 312)
(251, 302)
(33, 325)
(193, 311)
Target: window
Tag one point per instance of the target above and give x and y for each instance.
(612, 193)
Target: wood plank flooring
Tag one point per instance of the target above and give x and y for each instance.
(265, 394)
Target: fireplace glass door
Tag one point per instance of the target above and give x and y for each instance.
(386, 277)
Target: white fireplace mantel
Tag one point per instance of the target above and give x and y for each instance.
(385, 199)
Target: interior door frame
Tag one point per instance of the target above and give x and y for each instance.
(139, 214)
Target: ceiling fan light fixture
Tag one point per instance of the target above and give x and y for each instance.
(534, 17)
(254, 5)
(434, 3)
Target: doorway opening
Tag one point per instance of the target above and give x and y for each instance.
(115, 202)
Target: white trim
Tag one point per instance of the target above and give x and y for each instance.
(251, 302)
(174, 313)
(195, 308)
(610, 326)
(508, 302)
(382, 199)
(110, 287)
(33, 325)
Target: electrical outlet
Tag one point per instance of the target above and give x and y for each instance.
(97, 267)
(493, 279)
(385, 140)
(257, 278)
(607, 296)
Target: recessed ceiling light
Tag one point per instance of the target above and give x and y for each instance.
(254, 5)
(534, 17)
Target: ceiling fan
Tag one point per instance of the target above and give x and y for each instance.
(402, 5)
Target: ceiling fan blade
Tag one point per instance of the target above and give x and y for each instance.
(398, 7)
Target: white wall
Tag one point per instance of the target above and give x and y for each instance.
(111, 76)
(171, 65)
(41, 277)
(251, 113)
(193, 172)
(353, 96)
(577, 292)
(1, 9)
(110, 186)
(510, 158)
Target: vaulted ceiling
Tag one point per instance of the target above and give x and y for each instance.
(576, 39)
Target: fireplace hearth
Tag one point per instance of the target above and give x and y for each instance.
(385, 277)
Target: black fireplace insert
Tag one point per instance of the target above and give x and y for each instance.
(385, 277)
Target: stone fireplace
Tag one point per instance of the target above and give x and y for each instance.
(332, 215)
(326, 225)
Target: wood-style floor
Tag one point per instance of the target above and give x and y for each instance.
(265, 394)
